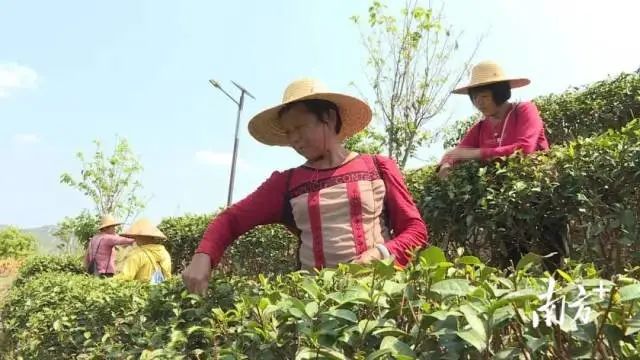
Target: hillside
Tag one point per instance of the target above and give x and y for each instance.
(46, 241)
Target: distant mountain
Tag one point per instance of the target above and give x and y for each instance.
(47, 243)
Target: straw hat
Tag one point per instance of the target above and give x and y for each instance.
(355, 113)
(489, 72)
(143, 227)
(107, 221)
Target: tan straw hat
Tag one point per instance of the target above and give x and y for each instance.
(107, 221)
(143, 227)
(355, 113)
(489, 72)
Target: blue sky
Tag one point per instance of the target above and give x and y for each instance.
(74, 71)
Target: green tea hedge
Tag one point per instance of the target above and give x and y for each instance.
(588, 189)
(435, 309)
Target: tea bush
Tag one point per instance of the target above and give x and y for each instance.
(587, 190)
(38, 264)
(60, 315)
(579, 112)
(265, 249)
(434, 309)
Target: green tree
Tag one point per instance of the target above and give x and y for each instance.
(75, 232)
(368, 141)
(15, 243)
(110, 181)
(411, 72)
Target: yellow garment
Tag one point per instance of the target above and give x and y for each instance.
(138, 265)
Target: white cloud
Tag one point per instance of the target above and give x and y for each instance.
(14, 76)
(26, 138)
(218, 159)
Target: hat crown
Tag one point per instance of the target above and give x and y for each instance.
(301, 88)
(486, 71)
(144, 227)
(107, 221)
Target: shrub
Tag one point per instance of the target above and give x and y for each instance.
(587, 189)
(579, 112)
(16, 243)
(435, 309)
(266, 249)
(184, 234)
(38, 264)
(60, 315)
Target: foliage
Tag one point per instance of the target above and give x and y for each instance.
(367, 141)
(74, 233)
(16, 243)
(64, 315)
(184, 234)
(585, 189)
(110, 181)
(265, 249)
(410, 71)
(579, 112)
(434, 309)
(591, 110)
(38, 264)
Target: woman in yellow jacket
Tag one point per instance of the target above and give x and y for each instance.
(150, 260)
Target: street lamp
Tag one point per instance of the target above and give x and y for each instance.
(240, 103)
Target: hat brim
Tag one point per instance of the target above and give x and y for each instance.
(513, 83)
(354, 113)
(151, 233)
(109, 225)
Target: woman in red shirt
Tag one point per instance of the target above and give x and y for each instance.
(505, 128)
(342, 205)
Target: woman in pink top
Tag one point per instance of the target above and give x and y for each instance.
(342, 205)
(506, 127)
(100, 256)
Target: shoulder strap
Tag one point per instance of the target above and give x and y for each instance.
(287, 215)
(385, 213)
(287, 211)
(154, 263)
(97, 248)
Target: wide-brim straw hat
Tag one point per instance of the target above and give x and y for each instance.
(107, 221)
(144, 228)
(489, 72)
(354, 113)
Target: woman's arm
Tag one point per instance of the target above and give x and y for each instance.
(470, 140)
(409, 229)
(263, 206)
(118, 240)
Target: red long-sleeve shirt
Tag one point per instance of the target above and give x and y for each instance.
(339, 211)
(523, 130)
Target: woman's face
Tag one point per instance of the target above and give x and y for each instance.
(307, 134)
(483, 101)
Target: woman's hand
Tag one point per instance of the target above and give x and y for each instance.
(368, 256)
(462, 154)
(444, 171)
(196, 275)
